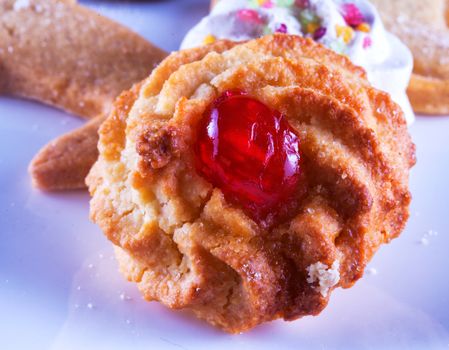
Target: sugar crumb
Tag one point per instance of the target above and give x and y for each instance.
(424, 241)
(124, 297)
(432, 233)
(90, 306)
(327, 277)
(372, 271)
(21, 4)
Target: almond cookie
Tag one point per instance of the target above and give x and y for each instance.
(245, 182)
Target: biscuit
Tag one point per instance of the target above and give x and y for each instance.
(189, 245)
(68, 56)
(423, 26)
(65, 55)
(64, 163)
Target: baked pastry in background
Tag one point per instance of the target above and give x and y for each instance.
(245, 182)
(68, 56)
(423, 26)
(64, 162)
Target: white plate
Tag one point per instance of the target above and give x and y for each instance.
(59, 285)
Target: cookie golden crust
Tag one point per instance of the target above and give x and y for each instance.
(187, 247)
(423, 26)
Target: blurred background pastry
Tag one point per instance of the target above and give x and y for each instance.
(423, 26)
(70, 57)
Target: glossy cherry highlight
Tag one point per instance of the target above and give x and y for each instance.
(251, 153)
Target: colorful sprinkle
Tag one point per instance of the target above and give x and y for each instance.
(307, 16)
(367, 42)
(285, 3)
(345, 32)
(248, 15)
(311, 28)
(266, 3)
(352, 15)
(364, 27)
(209, 39)
(311, 23)
(262, 3)
(302, 4)
(267, 30)
(319, 33)
(282, 28)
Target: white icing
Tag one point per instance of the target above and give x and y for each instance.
(388, 62)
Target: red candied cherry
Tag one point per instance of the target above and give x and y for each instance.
(251, 153)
